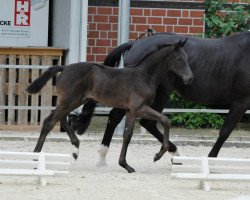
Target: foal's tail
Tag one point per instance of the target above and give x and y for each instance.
(40, 82)
(81, 122)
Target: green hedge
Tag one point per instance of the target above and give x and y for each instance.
(193, 120)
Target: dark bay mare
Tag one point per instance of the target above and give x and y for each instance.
(221, 68)
(132, 89)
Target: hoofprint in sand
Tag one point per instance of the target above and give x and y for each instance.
(151, 180)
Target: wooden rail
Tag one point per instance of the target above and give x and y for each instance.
(19, 67)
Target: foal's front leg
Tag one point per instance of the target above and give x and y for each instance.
(128, 132)
(149, 113)
(59, 113)
(48, 124)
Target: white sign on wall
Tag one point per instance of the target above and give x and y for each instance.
(24, 22)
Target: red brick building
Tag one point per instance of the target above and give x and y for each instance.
(179, 16)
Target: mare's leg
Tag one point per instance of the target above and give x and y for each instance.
(149, 113)
(128, 132)
(235, 113)
(74, 140)
(161, 98)
(115, 117)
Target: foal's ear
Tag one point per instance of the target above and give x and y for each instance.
(180, 43)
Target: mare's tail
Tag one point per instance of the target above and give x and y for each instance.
(113, 58)
(40, 82)
(80, 122)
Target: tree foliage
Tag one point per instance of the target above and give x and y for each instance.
(223, 19)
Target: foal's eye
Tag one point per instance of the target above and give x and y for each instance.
(179, 59)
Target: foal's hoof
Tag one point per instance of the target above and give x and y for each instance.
(157, 157)
(175, 153)
(127, 167)
(130, 170)
(75, 156)
(75, 152)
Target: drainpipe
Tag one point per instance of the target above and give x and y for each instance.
(124, 21)
(74, 37)
(84, 31)
(78, 31)
(123, 37)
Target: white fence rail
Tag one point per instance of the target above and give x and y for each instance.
(106, 110)
(34, 164)
(205, 169)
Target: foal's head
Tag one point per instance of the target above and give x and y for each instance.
(177, 61)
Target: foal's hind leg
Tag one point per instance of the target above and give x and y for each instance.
(128, 132)
(74, 140)
(149, 113)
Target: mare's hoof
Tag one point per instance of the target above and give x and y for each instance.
(80, 131)
(101, 163)
(75, 156)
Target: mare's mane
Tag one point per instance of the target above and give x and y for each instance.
(159, 47)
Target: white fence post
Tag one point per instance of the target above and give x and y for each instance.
(41, 168)
(40, 164)
(204, 169)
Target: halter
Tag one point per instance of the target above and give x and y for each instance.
(148, 32)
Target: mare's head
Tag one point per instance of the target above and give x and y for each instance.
(177, 61)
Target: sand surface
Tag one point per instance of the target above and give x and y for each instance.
(151, 180)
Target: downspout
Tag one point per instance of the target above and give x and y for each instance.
(74, 37)
(78, 31)
(123, 37)
(124, 21)
(83, 31)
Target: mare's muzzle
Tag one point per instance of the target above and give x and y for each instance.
(188, 79)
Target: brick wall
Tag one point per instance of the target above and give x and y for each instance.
(103, 25)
